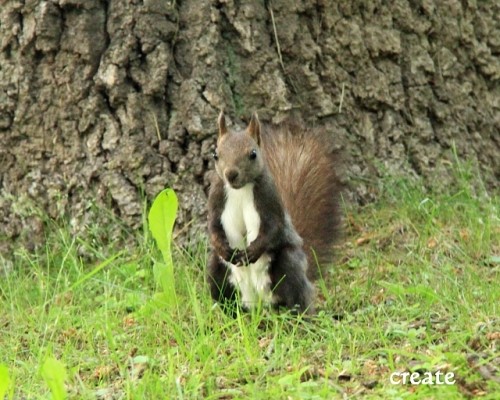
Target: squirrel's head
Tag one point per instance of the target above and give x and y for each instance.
(238, 158)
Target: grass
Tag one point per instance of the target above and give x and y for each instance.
(415, 287)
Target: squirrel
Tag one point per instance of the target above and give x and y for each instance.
(273, 214)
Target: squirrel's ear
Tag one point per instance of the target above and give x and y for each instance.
(222, 124)
(254, 128)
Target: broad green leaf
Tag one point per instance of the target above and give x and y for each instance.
(54, 375)
(161, 220)
(4, 381)
(164, 277)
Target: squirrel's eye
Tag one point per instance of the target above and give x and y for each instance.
(253, 154)
(215, 155)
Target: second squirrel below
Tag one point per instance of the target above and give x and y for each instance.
(272, 214)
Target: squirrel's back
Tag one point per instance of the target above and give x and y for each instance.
(305, 167)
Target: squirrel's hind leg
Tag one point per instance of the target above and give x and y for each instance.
(291, 287)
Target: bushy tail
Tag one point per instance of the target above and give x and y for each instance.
(305, 167)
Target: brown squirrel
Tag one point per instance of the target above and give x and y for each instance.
(272, 214)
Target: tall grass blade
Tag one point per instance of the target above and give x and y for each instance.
(100, 267)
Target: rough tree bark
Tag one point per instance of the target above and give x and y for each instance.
(104, 101)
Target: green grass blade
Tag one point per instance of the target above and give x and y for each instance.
(54, 375)
(100, 267)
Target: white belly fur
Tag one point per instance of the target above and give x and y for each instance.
(241, 223)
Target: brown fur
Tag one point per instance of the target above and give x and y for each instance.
(304, 168)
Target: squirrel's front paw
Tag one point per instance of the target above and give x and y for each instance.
(239, 258)
(223, 250)
(252, 255)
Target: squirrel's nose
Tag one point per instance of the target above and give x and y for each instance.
(232, 175)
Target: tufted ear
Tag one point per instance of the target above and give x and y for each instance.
(222, 124)
(254, 128)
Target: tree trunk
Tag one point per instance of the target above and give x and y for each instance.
(104, 101)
